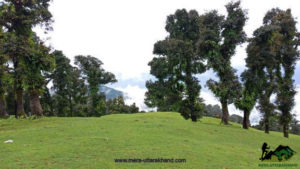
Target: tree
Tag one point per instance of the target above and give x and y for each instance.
(286, 48)
(61, 83)
(36, 65)
(166, 92)
(236, 118)
(95, 76)
(133, 108)
(219, 37)
(273, 53)
(47, 101)
(3, 77)
(262, 62)
(177, 66)
(248, 97)
(213, 111)
(18, 18)
(69, 88)
(118, 106)
(78, 94)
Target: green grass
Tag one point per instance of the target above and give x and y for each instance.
(95, 142)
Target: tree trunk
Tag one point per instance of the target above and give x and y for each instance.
(194, 118)
(18, 91)
(246, 121)
(71, 107)
(15, 98)
(286, 130)
(3, 112)
(35, 104)
(267, 129)
(20, 104)
(225, 114)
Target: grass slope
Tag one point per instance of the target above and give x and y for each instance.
(96, 142)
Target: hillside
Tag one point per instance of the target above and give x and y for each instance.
(96, 142)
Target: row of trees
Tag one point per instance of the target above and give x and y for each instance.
(274, 123)
(215, 111)
(197, 43)
(28, 67)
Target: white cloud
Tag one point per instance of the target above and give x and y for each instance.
(135, 94)
(238, 60)
(122, 33)
(209, 98)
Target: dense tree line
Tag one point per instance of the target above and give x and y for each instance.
(197, 43)
(28, 67)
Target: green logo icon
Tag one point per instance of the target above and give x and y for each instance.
(281, 152)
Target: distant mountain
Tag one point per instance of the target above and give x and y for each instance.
(111, 93)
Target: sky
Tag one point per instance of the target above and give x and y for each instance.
(121, 33)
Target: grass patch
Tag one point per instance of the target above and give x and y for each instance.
(96, 142)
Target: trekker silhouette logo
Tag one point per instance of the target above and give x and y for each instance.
(280, 152)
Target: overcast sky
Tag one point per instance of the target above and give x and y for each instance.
(121, 33)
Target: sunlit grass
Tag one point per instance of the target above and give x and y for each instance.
(96, 142)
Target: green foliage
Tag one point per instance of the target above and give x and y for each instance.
(4, 76)
(165, 93)
(261, 62)
(272, 55)
(94, 75)
(78, 94)
(118, 106)
(213, 111)
(17, 20)
(176, 87)
(236, 118)
(61, 77)
(47, 102)
(248, 97)
(21, 16)
(218, 41)
(37, 64)
(275, 124)
(286, 54)
(70, 98)
(247, 101)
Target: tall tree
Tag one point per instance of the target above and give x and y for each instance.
(286, 48)
(18, 18)
(180, 63)
(219, 37)
(61, 78)
(248, 97)
(95, 76)
(262, 60)
(273, 53)
(47, 101)
(37, 64)
(78, 94)
(3, 77)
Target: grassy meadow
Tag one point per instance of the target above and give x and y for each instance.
(96, 142)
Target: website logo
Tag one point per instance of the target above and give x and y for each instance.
(280, 153)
